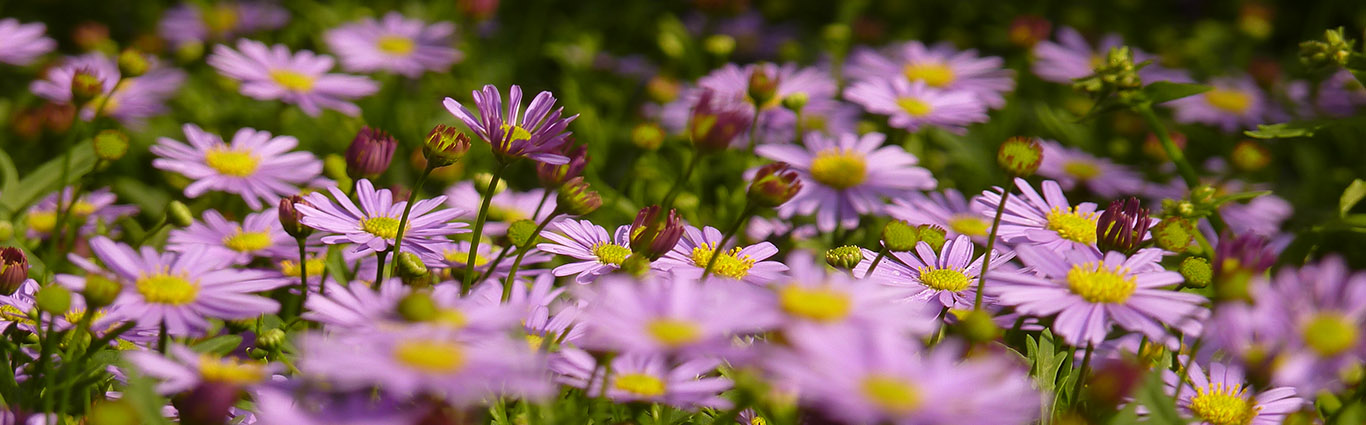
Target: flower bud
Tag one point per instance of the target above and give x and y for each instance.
(648, 136)
(715, 123)
(370, 153)
(900, 236)
(978, 326)
(110, 145)
(290, 217)
(178, 214)
(1174, 234)
(6, 230)
(481, 184)
(1020, 156)
(53, 299)
(13, 270)
(654, 234)
(1197, 272)
(417, 306)
(1237, 259)
(762, 86)
(1028, 30)
(520, 233)
(85, 85)
(113, 412)
(100, 291)
(444, 146)
(933, 235)
(133, 63)
(1250, 156)
(662, 89)
(774, 185)
(577, 198)
(271, 340)
(208, 403)
(844, 257)
(410, 267)
(796, 101)
(553, 176)
(719, 44)
(1122, 226)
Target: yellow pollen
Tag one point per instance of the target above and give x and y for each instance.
(76, 314)
(430, 356)
(891, 394)
(292, 80)
(838, 169)
(384, 227)
(934, 74)
(518, 133)
(1072, 225)
(1330, 334)
(1096, 283)
(969, 224)
(291, 268)
(42, 221)
(534, 341)
(639, 384)
(947, 279)
(395, 45)
(452, 318)
(164, 288)
(11, 313)
(230, 162)
(821, 304)
(1220, 405)
(674, 332)
(915, 107)
(610, 253)
(758, 421)
(241, 241)
(459, 257)
(730, 264)
(1084, 170)
(230, 370)
(1231, 101)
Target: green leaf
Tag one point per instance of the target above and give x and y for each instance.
(1161, 407)
(1285, 130)
(9, 176)
(1166, 91)
(1239, 197)
(1351, 196)
(221, 345)
(46, 178)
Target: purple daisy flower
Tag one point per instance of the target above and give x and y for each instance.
(128, 100)
(92, 208)
(181, 290)
(1223, 397)
(1234, 104)
(1090, 292)
(649, 378)
(258, 235)
(1321, 309)
(302, 78)
(913, 105)
(1069, 166)
(1072, 57)
(407, 47)
(15, 308)
(506, 206)
(275, 406)
(1338, 96)
(1048, 221)
(185, 368)
(697, 246)
(848, 176)
(255, 165)
(947, 209)
(373, 226)
(812, 296)
(941, 67)
(670, 314)
(191, 23)
(948, 277)
(23, 42)
(776, 124)
(598, 253)
(357, 306)
(537, 134)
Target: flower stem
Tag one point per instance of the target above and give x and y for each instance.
(721, 246)
(379, 270)
(403, 220)
(162, 338)
(303, 277)
(521, 252)
(991, 243)
(678, 185)
(1178, 157)
(479, 229)
(880, 255)
(1085, 367)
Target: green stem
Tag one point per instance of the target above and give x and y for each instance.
(754, 130)
(1181, 369)
(521, 253)
(403, 221)
(47, 340)
(379, 272)
(720, 247)
(303, 277)
(540, 205)
(163, 338)
(479, 228)
(1178, 157)
(678, 185)
(880, 255)
(991, 243)
(1081, 376)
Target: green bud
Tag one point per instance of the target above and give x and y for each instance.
(417, 306)
(1173, 234)
(1203, 194)
(1197, 272)
(933, 235)
(85, 85)
(762, 86)
(977, 326)
(179, 215)
(844, 258)
(410, 267)
(258, 354)
(100, 291)
(636, 265)
(271, 340)
(900, 236)
(1020, 156)
(1250, 156)
(133, 63)
(444, 146)
(647, 136)
(481, 184)
(113, 412)
(796, 101)
(719, 44)
(110, 145)
(53, 299)
(520, 233)
(6, 230)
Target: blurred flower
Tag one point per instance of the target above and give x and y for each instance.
(940, 67)
(1070, 166)
(255, 165)
(455, 254)
(1046, 221)
(776, 124)
(686, 383)
(370, 153)
(373, 226)
(598, 253)
(946, 209)
(1235, 103)
(1028, 30)
(505, 207)
(553, 176)
(269, 73)
(716, 122)
(914, 105)
(1338, 96)
(670, 314)
(948, 278)
(258, 235)
(1321, 308)
(537, 134)
(92, 209)
(845, 177)
(184, 369)
(812, 296)
(1222, 396)
(23, 42)
(129, 99)
(408, 47)
(692, 253)
(278, 406)
(220, 21)
(1072, 57)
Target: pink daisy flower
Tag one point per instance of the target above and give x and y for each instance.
(269, 73)
(407, 47)
(255, 165)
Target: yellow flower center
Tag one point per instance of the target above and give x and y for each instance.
(1231, 101)
(839, 169)
(730, 264)
(230, 163)
(395, 45)
(220, 18)
(230, 370)
(430, 356)
(610, 253)
(518, 133)
(674, 332)
(82, 209)
(1097, 283)
(758, 421)
(946, 279)
(934, 74)
(969, 224)
(1220, 405)
(1084, 170)
(821, 304)
(891, 394)
(1330, 334)
(76, 314)
(247, 241)
(384, 227)
(452, 318)
(291, 268)
(292, 80)
(42, 221)
(459, 257)
(164, 288)
(639, 384)
(914, 107)
(534, 341)
(1072, 225)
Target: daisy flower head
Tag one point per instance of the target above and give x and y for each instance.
(1048, 221)
(15, 308)
(255, 165)
(775, 123)
(1322, 309)
(597, 252)
(947, 209)
(670, 314)
(273, 72)
(1235, 103)
(91, 208)
(23, 42)
(812, 296)
(506, 206)
(536, 134)
(127, 100)
(1338, 96)
(1222, 396)
(697, 246)
(847, 176)
(649, 378)
(184, 369)
(940, 66)
(224, 20)
(1071, 167)
(947, 278)
(373, 226)
(1090, 293)
(258, 235)
(394, 43)
(913, 105)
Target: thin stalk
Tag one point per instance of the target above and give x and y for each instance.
(678, 185)
(379, 272)
(403, 220)
(540, 205)
(163, 338)
(1178, 157)
(880, 255)
(153, 231)
(46, 342)
(303, 276)
(63, 212)
(521, 253)
(721, 246)
(1182, 368)
(479, 229)
(754, 130)
(991, 243)
(1085, 367)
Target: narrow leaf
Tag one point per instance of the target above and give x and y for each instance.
(1351, 196)
(1166, 91)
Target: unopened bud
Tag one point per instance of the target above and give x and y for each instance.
(410, 267)
(100, 291)
(417, 306)
(979, 327)
(654, 233)
(636, 265)
(53, 299)
(291, 218)
(1173, 234)
(844, 257)
(576, 198)
(370, 153)
(520, 233)
(13, 270)
(1028, 30)
(1122, 226)
(133, 63)
(110, 145)
(900, 236)
(719, 44)
(444, 146)
(774, 185)
(1020, 156)
(933, 235)
(647, 136)
(762, 86)
(6, 230)
(271, 340)
(178, 214)
(1250, 156)
(85, 85)
(1197, 272)
(796, 101)
(481, 184)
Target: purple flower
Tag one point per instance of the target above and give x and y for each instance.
(845, 177)
(506, 206)
(275, 406)
(191, 23)
(948, 277)
(940, 67)
(649, 378)
(1234, 104)
(537, 134)
(947, 209)
(1222, 396)
(811, 296)
(455, 254)
(1321, 311)
(1338, 96)
(1070, 167)
(92, 208)
(670, 314)
(776, 124)
(15, 308)
(913, 105)
(598, 253)
(692, 253)
(128, 100)
(1072, 57)
(185, 369)
(373, 226)
(1048, 221)
(1090, 293)
(302, 78)
(23, 42)
(255, 165)
(258, 235)
(408, 47)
